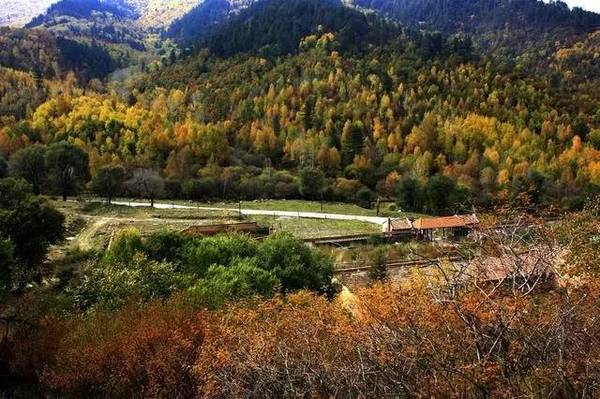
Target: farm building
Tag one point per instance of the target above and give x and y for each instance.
(445, 227)
(214, 229)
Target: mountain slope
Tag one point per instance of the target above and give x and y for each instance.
(515, 25)
(275, 27)
(18, 13)
(203, 18)
(157, 14)
(473, 15)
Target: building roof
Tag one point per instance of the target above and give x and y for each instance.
(535, 261)
(399, 224)
(446, 222)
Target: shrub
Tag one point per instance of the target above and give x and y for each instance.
(295, 264)
(110, 284)
(125, 245)
(136, 352)
(365, 198)
(166, 246)
(200, 189)
(200, 254)
(243, 279)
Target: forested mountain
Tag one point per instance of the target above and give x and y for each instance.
(99, 36)
(260, 91)
(500, 26)
(203, 18)
(441, 106)
(477, 15)
(152, 14)
(273, 27)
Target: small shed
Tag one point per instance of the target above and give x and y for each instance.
(397, 227)
(448, 226)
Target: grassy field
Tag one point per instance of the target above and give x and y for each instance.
(314, 228)
(386, 209)
(101, 209)
(90, 225)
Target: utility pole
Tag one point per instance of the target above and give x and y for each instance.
(322, 202)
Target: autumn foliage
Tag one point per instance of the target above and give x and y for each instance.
(387, 341)
(135, 352)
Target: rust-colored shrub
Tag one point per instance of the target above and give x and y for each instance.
(298, 346)
(415, 340)
(404, 341)
(137, 351)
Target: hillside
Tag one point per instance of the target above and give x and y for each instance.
(500, 26)
(379, 107)
(21, 12)
(157, 14)
(273, 27)
(109, 34)
(203, 18)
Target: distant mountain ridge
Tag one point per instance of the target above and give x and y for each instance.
(526, 20)
(19, 12)
(149, 13)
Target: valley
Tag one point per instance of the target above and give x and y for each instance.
(299, 199)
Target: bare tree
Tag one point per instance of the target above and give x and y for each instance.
(146, 183)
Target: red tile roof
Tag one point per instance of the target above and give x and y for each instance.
(446, 222)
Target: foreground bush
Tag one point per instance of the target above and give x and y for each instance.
(388, 342)
(110, 284)
(146, 351)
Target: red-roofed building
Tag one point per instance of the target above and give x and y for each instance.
(454, 226)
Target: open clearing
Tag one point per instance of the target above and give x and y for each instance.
(90, 225)
(386, 208)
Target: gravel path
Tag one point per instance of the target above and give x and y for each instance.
(305, 215)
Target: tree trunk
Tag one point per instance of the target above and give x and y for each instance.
(151, 202)
(64, 197)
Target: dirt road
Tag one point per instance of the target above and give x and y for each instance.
(305, 215)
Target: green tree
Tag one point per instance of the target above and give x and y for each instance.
(7, 260)
(31, 224)
(108, 182)
(295, 264)
(353, 140)
(312, 181)
(200, 254)
(241, 280)
(444, 196)
(409, 194)
(378, 272)
(29, 164)
(365, 198)
(68, 168)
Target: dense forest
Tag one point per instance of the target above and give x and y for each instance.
(378, 108)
